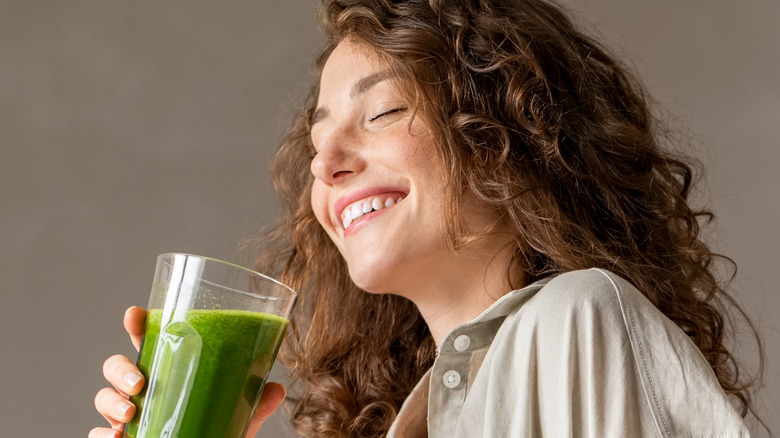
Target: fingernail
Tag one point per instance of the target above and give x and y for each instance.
(131, 379)
(121, 408)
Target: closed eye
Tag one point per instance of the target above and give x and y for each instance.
(387, 113)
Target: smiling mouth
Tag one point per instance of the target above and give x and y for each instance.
(375, 203)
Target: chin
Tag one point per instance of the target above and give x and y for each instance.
(371, 283)
(367, 285)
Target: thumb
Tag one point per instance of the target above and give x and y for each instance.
(272, 396)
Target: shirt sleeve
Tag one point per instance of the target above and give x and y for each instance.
(590, 356)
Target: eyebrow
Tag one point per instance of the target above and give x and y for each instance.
(365, 84)
(361, 86)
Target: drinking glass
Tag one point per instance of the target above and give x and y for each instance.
(211, 336)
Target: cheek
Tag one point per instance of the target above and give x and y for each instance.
(318, 201)
(319, 204)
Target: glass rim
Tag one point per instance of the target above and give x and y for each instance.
(239, 267)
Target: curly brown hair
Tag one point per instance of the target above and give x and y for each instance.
(534, 118)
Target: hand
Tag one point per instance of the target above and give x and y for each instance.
(127, 380)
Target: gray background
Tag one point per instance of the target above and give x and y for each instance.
(128, 129)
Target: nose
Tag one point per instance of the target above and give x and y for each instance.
(337, 160)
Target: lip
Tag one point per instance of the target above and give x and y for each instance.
(357, 195)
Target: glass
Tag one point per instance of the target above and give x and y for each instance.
(211, 336)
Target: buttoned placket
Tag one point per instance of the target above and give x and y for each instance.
(448, 387)
(459, 358)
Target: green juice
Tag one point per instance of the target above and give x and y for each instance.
(204, 374)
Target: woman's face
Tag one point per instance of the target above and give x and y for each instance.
(379, 189)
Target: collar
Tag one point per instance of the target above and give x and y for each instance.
(494, 314)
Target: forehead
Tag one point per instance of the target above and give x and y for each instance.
(354, 54)
(352, 67)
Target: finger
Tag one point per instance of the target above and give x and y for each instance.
(273, 396)
(134, 324)
(123, 374)
(114, 407)
(103, 432)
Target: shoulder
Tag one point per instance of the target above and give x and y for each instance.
(588, 309)
(591, 335)
(585, 293)
(593, 309)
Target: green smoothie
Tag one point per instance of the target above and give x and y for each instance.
(204, 374)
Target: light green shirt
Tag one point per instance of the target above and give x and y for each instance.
(583, 354)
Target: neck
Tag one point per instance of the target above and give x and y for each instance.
(459, 292)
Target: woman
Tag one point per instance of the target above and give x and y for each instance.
(489, 237)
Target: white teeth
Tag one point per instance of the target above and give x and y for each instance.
(360, 208)
(356, 211)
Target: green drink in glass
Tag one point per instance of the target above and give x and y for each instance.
(212, 332)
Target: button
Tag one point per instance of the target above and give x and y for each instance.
(462, 343)
(451, 379)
